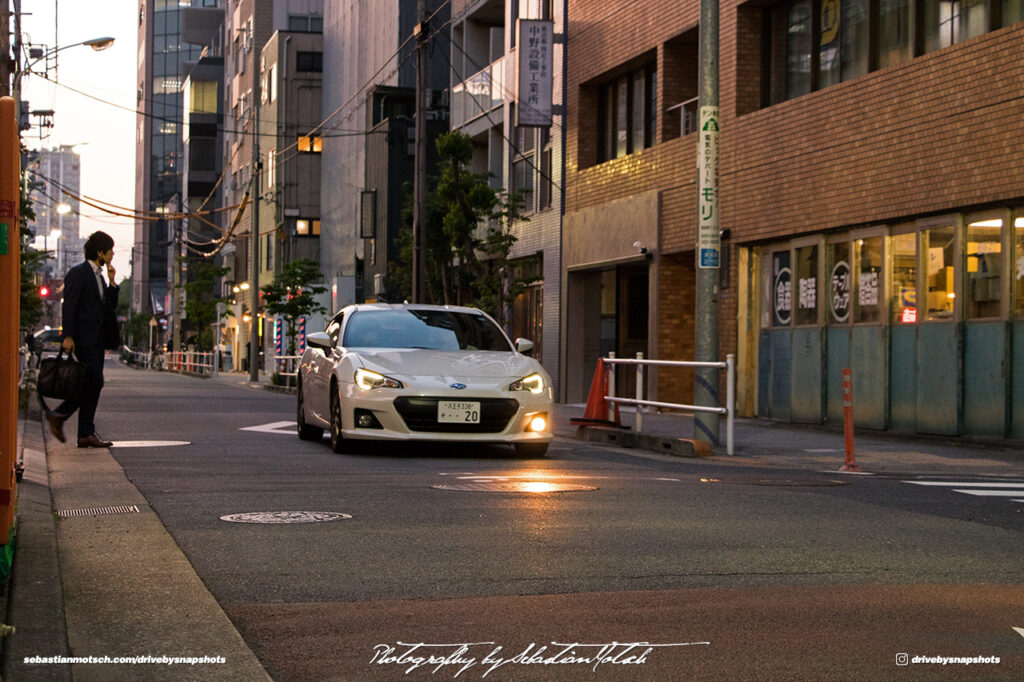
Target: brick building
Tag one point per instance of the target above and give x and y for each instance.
(871, 187)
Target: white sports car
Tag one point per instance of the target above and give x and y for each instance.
(422, 373)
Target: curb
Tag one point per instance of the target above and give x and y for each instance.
(680, 447)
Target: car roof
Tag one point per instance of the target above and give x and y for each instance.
(359, 307)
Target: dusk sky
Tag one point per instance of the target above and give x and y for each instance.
(102, 122)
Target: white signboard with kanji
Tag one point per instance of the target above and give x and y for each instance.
(534, 72)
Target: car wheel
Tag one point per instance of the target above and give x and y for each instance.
(531, 449)
(306, 432)
(337, 442)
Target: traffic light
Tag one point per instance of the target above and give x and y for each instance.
(44, 291)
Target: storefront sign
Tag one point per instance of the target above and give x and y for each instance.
(709, 232)
(783, 296)
(840, 291)
(534, 76)
(867, 294)
(808, 293)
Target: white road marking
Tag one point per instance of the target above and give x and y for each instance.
(821, 450)
(971, 484)
(990, 493)
(148, 443)
(280, 428)
(1020, 631)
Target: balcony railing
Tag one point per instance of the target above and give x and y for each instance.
(482, 92)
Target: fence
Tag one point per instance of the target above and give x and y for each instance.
(730, 391)
(190, 362)
(286, 367)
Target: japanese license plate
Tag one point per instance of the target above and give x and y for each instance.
(458, 412)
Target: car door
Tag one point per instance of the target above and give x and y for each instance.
(320, 375)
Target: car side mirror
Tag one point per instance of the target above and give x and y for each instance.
(320, 340)
(524, 346)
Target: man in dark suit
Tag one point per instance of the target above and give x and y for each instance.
(88, 300)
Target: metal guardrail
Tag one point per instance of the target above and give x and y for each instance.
(190, 362)
(287, 362)
(730, 391)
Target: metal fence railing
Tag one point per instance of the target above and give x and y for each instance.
(189, 362)
(729, 410)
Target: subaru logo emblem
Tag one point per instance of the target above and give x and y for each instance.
(458, 387)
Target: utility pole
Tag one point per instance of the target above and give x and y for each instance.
(254, 250)
(177, 292)
(709, 241)
(10, 305)
(419, 218)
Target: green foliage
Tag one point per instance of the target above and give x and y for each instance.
(469, 237)
(32, 261)
(200, 302)
(293, 294)
(136, 330)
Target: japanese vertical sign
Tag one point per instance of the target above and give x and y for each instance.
(709, 240)
(534, 72)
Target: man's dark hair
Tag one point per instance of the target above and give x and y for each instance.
(97, 241)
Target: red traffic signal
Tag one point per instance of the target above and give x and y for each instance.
(44, 291)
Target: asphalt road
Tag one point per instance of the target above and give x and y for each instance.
(763, 574)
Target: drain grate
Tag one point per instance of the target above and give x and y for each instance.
(97, 511)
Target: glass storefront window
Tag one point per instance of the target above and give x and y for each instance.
(1018, 267)
(904, 278)
(940, 257)
(782, 289)
(868, 254)
(807, 285)
(840, 282)
(984, 268)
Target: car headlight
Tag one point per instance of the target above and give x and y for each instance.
(368, 380)
(533, 383)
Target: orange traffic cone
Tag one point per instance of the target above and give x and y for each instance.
(596, 411)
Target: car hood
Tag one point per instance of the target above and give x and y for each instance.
(413, 362)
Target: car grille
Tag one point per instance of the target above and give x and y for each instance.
(420, 414)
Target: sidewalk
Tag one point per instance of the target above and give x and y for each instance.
(95, 583)
(96, 574)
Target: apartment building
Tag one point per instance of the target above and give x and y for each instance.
(521, 149)
(870, 194)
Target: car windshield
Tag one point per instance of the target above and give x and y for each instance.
(434, 329)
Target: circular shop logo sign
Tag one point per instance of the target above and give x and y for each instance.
(840, 288)
(783, 295)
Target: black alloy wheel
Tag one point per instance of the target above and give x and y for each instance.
(337, 442)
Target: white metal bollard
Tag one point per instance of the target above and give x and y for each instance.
(639, 394)
(610, 368)
(730, 401)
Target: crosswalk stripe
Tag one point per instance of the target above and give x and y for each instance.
(990, 493)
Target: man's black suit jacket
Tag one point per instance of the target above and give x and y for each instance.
(83, 308)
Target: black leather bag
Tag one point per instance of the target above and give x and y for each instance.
(60, 377)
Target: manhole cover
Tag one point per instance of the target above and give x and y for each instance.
(782, 481)
(515, 487)
(286, 517)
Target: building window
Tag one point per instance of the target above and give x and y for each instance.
(984, 269)
(940, 253)
(202, 97)
(309, 61)
(546, 183)
(307, 227)
(1018, 265)
(806, 285)
(781, 289)
(868, 257)
(840, 283)
(527, 318)
(812, 44)
(312, 144)
(627, 113)
(305, 23)
(904, 278)
(523, 166)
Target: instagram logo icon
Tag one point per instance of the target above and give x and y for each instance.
(902, 659)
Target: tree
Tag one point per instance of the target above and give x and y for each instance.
(200, 302)
(293, 294)
(469, 236)
(32, 262)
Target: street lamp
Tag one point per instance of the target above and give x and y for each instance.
(39, 53)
